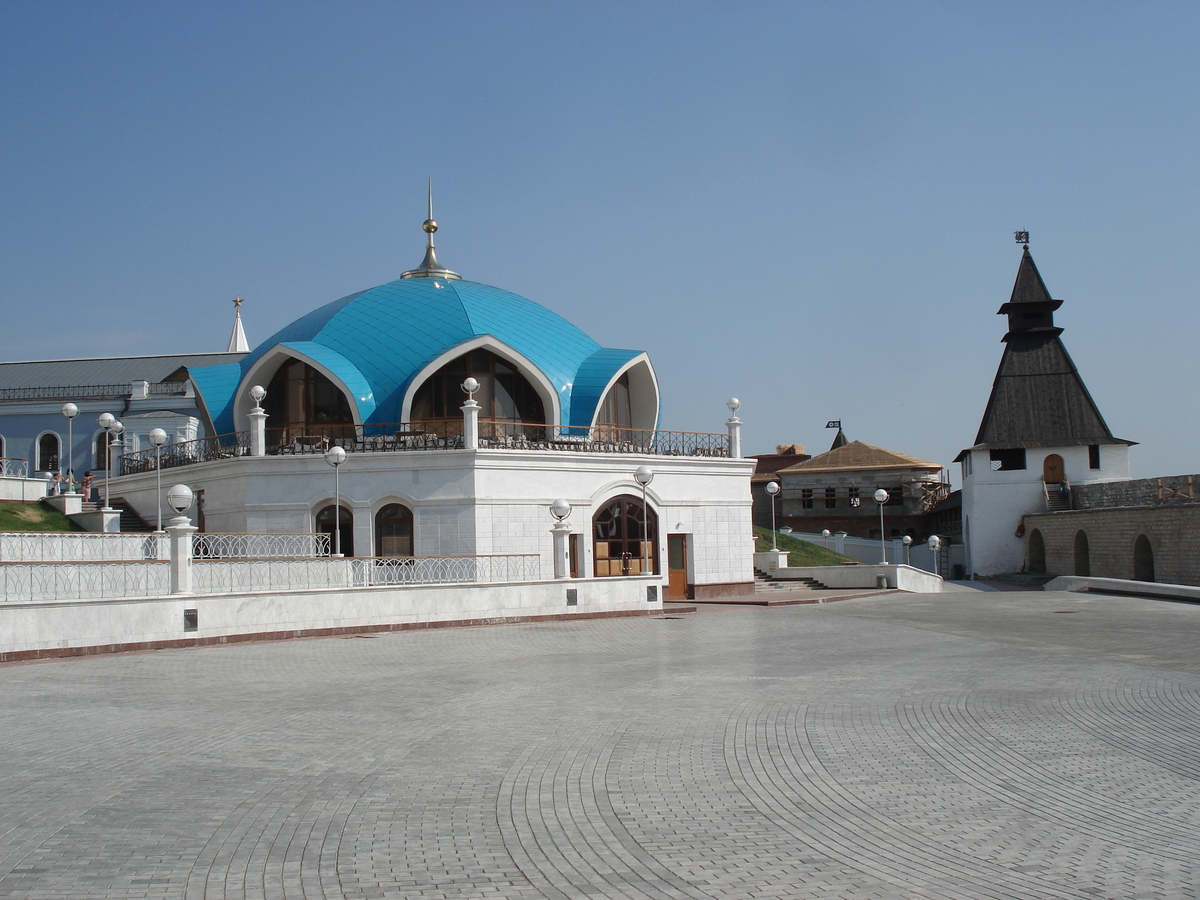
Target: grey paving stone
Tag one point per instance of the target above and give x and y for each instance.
(968, 745)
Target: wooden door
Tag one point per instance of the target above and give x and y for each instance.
(677, 553)
(1052, 469)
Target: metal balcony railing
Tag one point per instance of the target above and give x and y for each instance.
(402, 437)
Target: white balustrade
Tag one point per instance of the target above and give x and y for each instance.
(259, 546)
(34, 582)
(39, 546)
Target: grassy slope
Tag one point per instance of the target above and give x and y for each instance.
(800, 553)
(16, 516)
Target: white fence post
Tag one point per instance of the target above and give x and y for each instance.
(181, 531)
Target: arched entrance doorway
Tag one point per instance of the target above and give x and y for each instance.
(1083, 562)
(1143, 559)
(344, 523)
(1037, 553)
(619, 546)
(394, 531)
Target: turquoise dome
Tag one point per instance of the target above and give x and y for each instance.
(377, 341)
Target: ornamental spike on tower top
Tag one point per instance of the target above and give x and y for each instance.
(430, 267)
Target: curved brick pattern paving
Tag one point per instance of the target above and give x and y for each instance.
(961, 746)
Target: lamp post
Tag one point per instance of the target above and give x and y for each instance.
(907, 542)
(881, 497)
(772, 489)
(560, 509)
(335, 456)
(70, 410)
(113, 429)
(158, 437)
(825, 537)
(643, 476)
(935, 544)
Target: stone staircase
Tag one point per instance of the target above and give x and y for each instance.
(131, 522)
(764, 583)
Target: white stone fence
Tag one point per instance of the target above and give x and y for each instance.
(259, 546)
(34, 582)
(48, 567)
(57, 547)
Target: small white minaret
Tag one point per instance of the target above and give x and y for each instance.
(237, 340)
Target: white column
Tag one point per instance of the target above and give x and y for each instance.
(734, 424)
(470, 411)
(562, 562)
(258, 431)
(839, 542)
(180, 533)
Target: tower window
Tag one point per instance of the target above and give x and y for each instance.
(1008, 460)
(1094, 456)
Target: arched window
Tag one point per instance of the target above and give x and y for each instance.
(505, 395)
(1083, 563)
(1143, 559)
(1037, 552)
(48, 448)
(2, 453)
(616, 413)
(101, 451)
(345, 525)
(303, 405)
(620, 547)
(394, 531)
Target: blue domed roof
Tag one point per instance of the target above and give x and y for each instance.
(378, 340)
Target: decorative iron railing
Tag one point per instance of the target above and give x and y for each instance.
(89, 391)
(259, 546)
(11, 467)
(186, 453)
(399, 437)
(48, 581)
(373, 438)
(36, 546)
(447, 569)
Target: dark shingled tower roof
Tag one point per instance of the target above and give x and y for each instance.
(1038, 398)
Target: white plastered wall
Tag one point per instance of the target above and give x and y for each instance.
(995, 501)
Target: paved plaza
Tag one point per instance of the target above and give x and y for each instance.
(998, 745)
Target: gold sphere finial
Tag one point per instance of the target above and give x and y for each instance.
(430, 226)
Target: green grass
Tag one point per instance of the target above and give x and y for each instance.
(800, 553)
(17, 516)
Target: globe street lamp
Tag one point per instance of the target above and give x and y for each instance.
(158, 437)
(825, 537)
(113, 428)
(70, 410)
(560, 509)
(772, 489)
(643, 476)
(935, 544)
(907, 542)
(335, 456)
(881, 497)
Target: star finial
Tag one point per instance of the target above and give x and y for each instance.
(237, 302)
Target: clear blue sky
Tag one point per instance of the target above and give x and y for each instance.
(809, 206)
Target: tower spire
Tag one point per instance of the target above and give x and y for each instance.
(430, 267)
(237, 340)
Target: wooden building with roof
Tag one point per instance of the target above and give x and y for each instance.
(835, 490)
